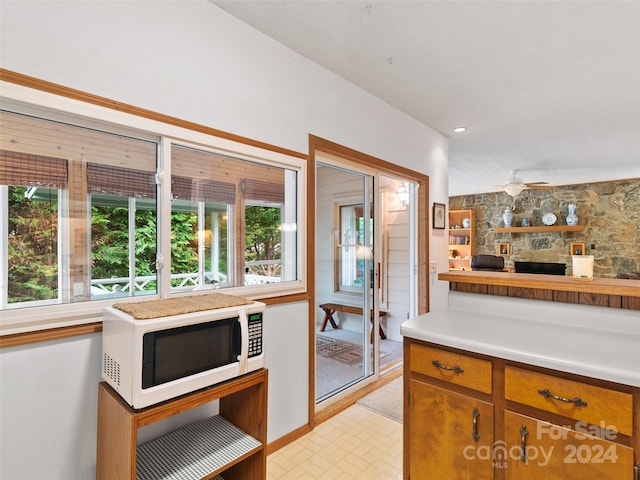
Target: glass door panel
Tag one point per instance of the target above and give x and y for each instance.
(397, 282)
(345, 273)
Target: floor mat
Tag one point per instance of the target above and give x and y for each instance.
(386, 400)
(345, 352)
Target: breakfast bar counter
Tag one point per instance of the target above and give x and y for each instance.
(604, 292)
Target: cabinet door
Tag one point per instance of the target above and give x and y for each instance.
(450, 435)
(558, 452)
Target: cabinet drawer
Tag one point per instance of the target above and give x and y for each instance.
(554, 452)
(455, 368)
(603, 406)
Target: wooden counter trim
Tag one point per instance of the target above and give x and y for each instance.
(605, 292)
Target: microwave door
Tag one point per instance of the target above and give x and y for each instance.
(244, 346)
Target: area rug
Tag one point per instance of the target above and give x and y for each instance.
(386, 400)
(345, 352)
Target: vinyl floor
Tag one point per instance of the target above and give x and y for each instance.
(356, 444)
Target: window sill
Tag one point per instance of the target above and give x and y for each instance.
(39, 324)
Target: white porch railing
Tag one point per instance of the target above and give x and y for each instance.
(106, 286)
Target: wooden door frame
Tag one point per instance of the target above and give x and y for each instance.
(320, 145)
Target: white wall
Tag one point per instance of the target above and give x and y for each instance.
(192, 61)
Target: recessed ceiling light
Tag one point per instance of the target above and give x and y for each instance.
(459, 129)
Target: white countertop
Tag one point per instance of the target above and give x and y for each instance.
(608, 349)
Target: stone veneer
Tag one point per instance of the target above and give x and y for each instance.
(609, 210)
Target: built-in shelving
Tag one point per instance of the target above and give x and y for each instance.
(461, 240)
(540, 229)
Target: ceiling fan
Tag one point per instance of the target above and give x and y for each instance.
(516, 185)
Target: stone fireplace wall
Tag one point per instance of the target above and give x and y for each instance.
(610, 212)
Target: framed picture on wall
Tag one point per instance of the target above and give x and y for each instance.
(439, 212)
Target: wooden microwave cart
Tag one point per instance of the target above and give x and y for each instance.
(228, 446)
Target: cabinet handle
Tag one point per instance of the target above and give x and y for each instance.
(476, 414)
(456, 369)
(577, 401)
(523, 443)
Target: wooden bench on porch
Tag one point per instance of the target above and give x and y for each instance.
(331, 308)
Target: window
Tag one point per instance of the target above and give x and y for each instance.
(123, 231)
(354, 254)
(78, 225)
(228, 227)
(32, 269)
(82, 223)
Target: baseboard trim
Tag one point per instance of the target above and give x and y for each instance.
(287, 439)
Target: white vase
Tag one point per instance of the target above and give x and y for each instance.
(507, 217)
(572, 218)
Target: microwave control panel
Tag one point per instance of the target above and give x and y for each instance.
(255, 334)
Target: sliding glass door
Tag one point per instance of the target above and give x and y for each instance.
(344, 278)
(365, 274)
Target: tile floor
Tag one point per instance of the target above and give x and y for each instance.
(355, 444)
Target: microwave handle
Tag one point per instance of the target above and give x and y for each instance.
(244, 345)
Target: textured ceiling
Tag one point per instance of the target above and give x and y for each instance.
(551, 89)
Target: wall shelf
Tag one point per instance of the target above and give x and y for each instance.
(540, 229)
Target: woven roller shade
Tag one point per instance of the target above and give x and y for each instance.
(120, 182)
(265, 191)
(201, 190)
(28, 170)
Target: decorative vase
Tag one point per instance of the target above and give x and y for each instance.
(507, 217)
(572, 218)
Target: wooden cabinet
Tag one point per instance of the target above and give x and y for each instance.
(572, 399)
(585, 446)
(531, 422)
(461, 239)
(536, 449)
(449, 420)
(229, 446)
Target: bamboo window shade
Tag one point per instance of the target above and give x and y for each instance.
(200, 190)
(29, 170)
(120, 182)
(265, 191)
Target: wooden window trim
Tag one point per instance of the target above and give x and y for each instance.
(78, 95)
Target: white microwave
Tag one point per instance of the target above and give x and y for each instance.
(149, 361)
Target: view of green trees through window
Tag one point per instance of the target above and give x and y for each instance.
(263, 241)
(33, 246)
(82, 216)
(110, 243)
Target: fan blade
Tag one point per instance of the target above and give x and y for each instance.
(537, 183)
(539, 187)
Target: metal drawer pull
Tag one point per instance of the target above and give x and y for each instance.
(476, 414)
(577, 401)
(523, 443)
(437, 364)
